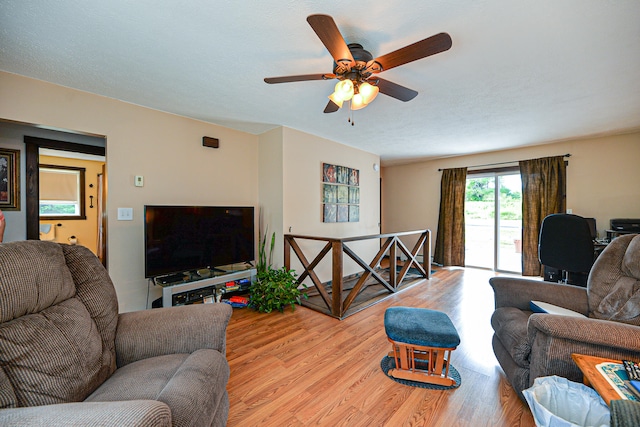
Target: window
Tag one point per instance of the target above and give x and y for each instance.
(493, 221)
(61, 192)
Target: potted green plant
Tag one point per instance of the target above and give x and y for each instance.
(273, 289)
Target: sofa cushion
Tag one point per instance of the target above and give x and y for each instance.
(34, 277)
(53, 356)
(50, 348)
(510, 326)
(8, 397)
(617, 275)
(193, 385)
(95, 290)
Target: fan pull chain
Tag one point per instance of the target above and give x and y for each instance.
(350, 119)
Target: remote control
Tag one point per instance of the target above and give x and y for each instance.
(633, 371)
(628, 366)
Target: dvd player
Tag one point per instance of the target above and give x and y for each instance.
(171, 278)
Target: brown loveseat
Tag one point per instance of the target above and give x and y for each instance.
(68, 358)
(529, 345)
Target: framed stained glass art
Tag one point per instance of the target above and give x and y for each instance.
(340, 193)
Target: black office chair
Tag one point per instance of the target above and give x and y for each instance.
(565, 249)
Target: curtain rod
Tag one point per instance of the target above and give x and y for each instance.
(501, 163)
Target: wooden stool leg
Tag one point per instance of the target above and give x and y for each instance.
(436, 359)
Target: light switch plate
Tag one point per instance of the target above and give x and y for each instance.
(125, 214)
(139, 181)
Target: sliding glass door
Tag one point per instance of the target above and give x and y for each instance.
(493, 221)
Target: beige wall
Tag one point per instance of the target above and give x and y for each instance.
(166, 149)
(303, 156)
(278, 172)
(291, 195)
(85, 230)
(271, 189)
(602, 181)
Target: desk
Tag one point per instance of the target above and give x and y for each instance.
(593, 377)
(612, 234)
(598, 247)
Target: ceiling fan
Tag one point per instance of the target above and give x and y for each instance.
(357, 70)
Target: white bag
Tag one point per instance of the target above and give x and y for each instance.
(558, 402)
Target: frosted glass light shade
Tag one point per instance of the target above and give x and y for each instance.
(368, 92)
(344, 89)
(357, 102)
(336, 99)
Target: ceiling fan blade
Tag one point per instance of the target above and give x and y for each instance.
(413, 52)
(331, 107)
(395, 90)
(327, 30)
(300, 78)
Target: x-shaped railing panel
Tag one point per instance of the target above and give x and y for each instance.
(337, 247)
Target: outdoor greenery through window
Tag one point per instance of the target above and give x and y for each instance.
(493, 213)
(61, 192)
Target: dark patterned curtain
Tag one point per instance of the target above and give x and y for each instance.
(450, 239)
(543, 193)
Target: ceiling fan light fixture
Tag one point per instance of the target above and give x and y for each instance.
(357, 102)
(336, 99)
(368, 92)
(344, 89)
(354, 67)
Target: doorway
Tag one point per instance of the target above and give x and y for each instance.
(95, 185)
(493, 221)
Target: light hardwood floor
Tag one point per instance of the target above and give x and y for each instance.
(304, 368)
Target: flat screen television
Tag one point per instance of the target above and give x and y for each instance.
(187, 238)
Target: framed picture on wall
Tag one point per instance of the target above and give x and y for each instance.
(329, 173)
(343, 194)
(9, 179)
(354, 177)
(330, 212)
(354, 195)
(340, 193)
(354, 213)
(343, 213)
(330, 193)
(342, 173)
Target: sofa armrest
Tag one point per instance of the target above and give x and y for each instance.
(516, 292)
(586, 331)
(131, 413)
(625, 413)
(554, 338)
(170, 330)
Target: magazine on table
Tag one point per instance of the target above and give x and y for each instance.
(616, 375)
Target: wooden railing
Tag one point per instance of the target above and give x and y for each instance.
(390, 244)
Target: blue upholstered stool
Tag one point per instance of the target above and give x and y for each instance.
(422, 341)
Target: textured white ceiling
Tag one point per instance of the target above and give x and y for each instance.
(519, 72)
